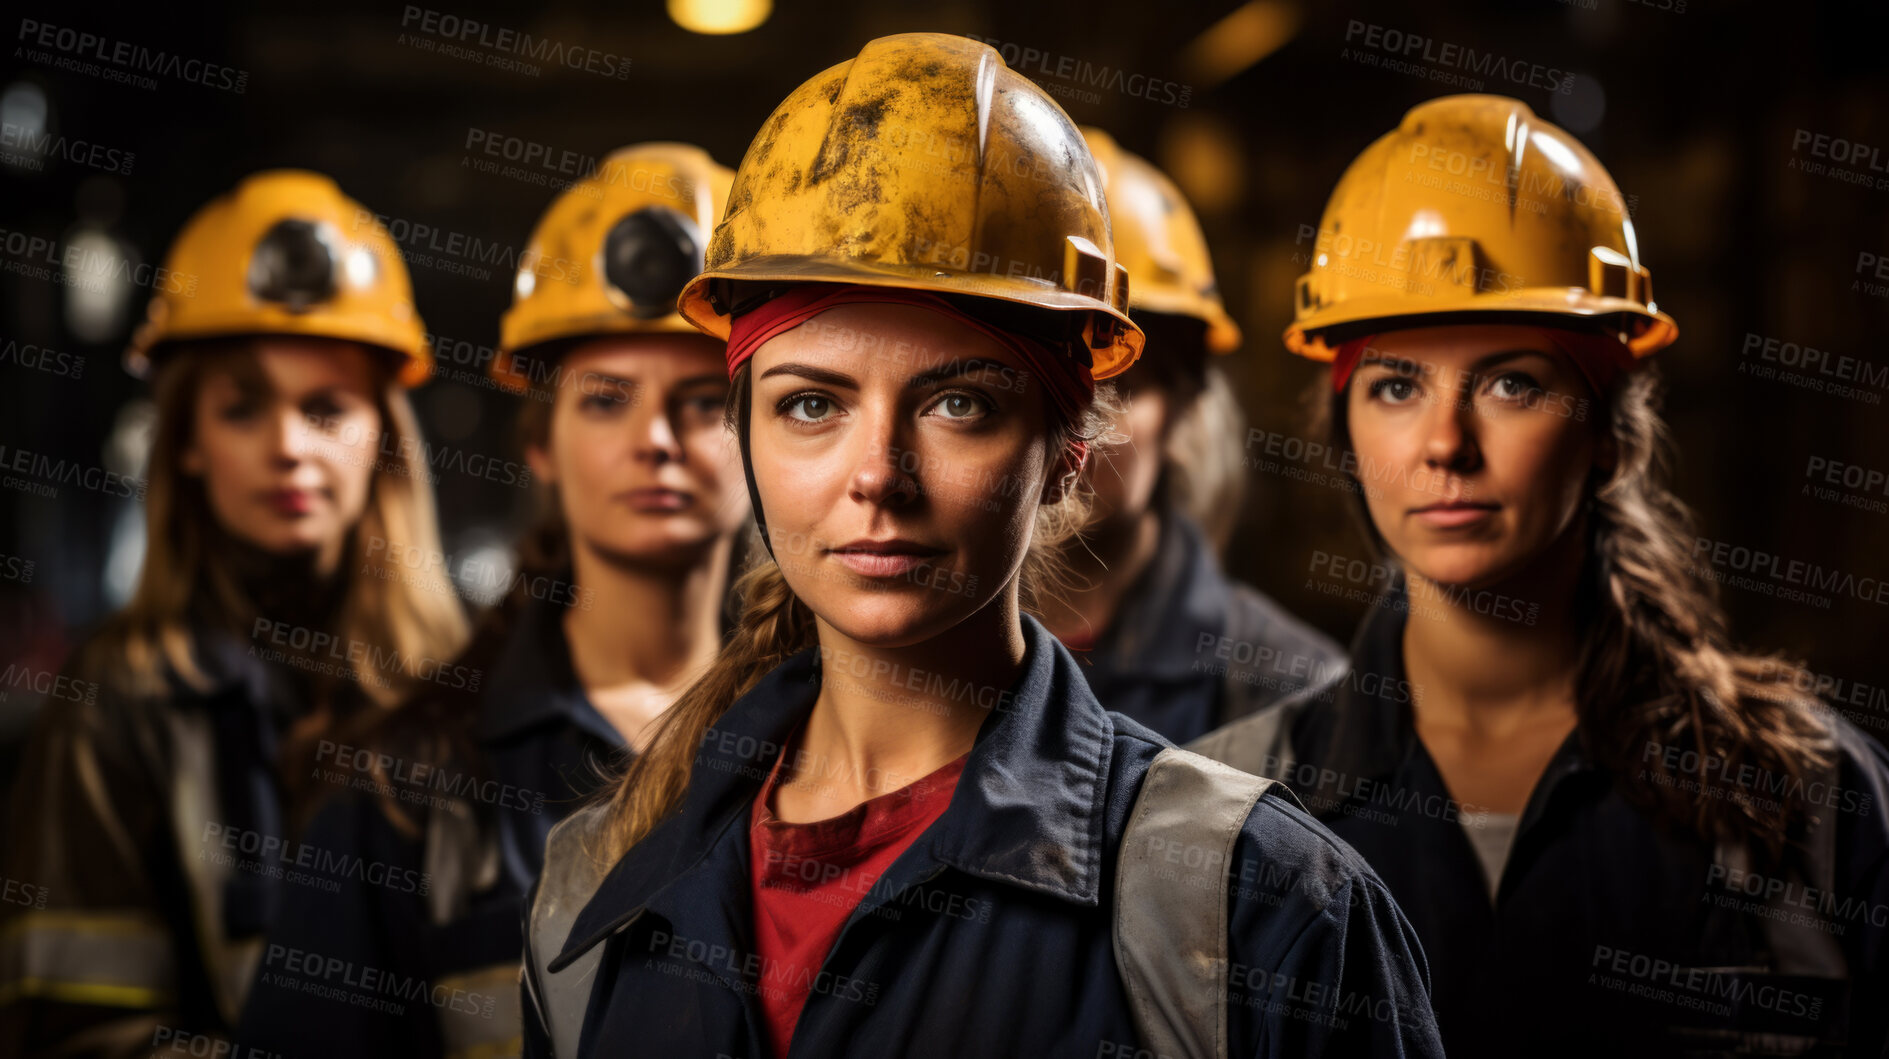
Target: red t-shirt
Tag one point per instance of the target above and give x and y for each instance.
(808, 878)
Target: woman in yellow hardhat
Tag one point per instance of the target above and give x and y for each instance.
(616, 607)
(158, 813)
(893, 819)
(1616, 832)
(1148, 608)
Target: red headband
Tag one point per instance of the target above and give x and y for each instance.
(1069, 384)
(1600, 359)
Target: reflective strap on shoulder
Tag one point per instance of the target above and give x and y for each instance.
(570, 878)
(1259, 743)
(122, 960)
(1171, 900)
(480, 1016)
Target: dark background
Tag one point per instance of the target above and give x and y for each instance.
(1693, 107)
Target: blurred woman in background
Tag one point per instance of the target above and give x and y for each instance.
(155, 810)
(1616, 833)
(1146, 605)
(615, 608)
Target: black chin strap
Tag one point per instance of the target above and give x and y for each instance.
(747, 468)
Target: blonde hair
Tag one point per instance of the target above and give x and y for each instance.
(775, 625)
(415, 615)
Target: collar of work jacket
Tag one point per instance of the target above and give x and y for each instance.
(1366, 737)
(1028, 811)
(532, 682)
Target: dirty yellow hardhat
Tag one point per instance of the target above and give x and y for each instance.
(926, 164)
(285, 253)
(613, 252)
(1159, 241)
(1474, 208)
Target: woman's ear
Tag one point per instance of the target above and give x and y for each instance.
(1606, 455)
(1066, 472)
(542, 467)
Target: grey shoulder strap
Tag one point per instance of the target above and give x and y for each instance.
(1171, 930)
(570, 878)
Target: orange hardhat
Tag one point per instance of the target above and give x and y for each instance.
(1474, 208)
(926, 164)
(286, 253)
(1159, 242)
(634, 232)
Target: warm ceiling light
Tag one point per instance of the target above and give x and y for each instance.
(1252, 32)
(720, 16)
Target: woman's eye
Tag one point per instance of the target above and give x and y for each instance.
(706, 406)
(1515, 386)
(239, 411)
(808, 408)
(1394, 389)
(600, 401)
(961, 406)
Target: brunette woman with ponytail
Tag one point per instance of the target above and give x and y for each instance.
(1616, 833)
(894, 820)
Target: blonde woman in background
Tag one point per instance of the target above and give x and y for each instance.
(1164, 635)
(156, 811)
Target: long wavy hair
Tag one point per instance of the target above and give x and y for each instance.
(1657, 664)
(411, 617)
(774, 625)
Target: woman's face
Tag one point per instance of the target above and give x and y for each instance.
(1124, 475)
(900, 486)
(645, 469)
(1474, 447)
(284, 440)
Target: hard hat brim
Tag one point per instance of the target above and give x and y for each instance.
(695, 306)
(1318, 335)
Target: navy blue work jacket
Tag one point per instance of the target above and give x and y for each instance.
(418, 956)
(991, 934)
(1191, 649)
(1610, 933)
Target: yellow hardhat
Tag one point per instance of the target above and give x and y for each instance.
(286, 253)
(1472, 208)
(924, 163)
(1160, 242)
(632, 233)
